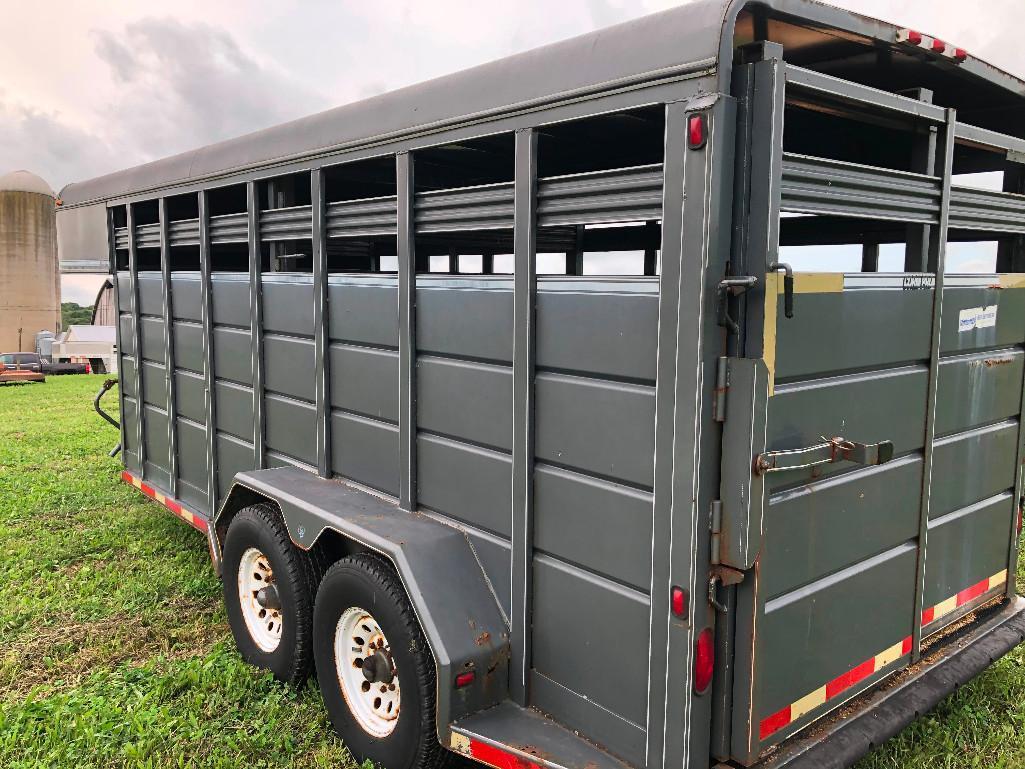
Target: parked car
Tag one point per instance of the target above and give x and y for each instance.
(21, 367)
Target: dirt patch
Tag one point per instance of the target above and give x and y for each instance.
(57, 657)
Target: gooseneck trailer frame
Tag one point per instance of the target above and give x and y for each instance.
(668, 516)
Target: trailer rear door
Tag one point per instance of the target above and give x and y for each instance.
(881, 497)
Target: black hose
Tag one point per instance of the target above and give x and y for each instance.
(107, 385)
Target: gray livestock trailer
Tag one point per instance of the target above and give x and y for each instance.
(499, 399)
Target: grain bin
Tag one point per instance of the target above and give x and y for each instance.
(29, 280)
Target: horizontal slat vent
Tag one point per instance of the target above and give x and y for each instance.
(184, 232)
(488, 207)
(619, 195)
(147, 236)
(229, 228)
(822, 186)
(362, 218)
(286, 223)
(973, 209)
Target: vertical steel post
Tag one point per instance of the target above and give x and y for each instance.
(675, 162)
(870, 257)
(407, 330)
(321, 363)
(172, 401)
(206, 300)
(524, 301)
(1011, 258)
(935, 264)
(133, 272)
(923, 161)
(759, 87)
(651, 248)
(1011, 248)
(112, 256)
(256, 321)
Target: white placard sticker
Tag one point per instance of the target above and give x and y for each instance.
(977, 317)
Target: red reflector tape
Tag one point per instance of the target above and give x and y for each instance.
(490, 754)
(851, 677)
(774, 723)
(932, 613)
(784, 717)
(194, 520)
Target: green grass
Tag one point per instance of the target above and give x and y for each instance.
(114, 648)
(115, 652)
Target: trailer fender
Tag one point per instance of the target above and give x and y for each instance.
(453, 600)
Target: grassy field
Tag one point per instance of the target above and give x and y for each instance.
(115, 652)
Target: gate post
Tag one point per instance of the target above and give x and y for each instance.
(524, 301)
(935, 264)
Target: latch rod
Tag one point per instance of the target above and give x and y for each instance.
(788, 286)
(830, 450)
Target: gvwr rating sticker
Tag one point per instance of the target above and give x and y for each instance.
(977, 317)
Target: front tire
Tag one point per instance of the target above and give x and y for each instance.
(269, 585)
(375, 670)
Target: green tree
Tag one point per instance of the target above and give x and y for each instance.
(75, 314)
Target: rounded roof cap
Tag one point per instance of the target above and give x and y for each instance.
(24, 181)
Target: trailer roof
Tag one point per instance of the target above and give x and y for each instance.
(686, 39)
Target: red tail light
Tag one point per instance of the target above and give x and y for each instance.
(696, 131)
(465, 679)
(915, 38)
(938, 45)
(678, 602)
(704, 660)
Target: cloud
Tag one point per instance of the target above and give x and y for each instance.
(183, 85)
(81, 289)
(48, 144)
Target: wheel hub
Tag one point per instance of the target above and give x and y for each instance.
(367, 672)
(268, 597)
(378, 668)
(259, 599)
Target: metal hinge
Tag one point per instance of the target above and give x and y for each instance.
(722, 386)
(716, 518)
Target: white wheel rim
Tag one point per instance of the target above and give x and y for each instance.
(375, 705)
(264, 624)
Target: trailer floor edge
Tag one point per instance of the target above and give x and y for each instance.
(886, 711)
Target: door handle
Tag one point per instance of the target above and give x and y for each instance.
(830, 450)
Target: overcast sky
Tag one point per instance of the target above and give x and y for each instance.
(92, 87)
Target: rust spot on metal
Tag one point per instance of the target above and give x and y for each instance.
(990, 362)
(483, 638)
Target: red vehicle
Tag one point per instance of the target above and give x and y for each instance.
(21, 367)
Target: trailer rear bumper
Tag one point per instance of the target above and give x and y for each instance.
(882, 713)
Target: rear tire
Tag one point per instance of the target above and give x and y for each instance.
(390, 720)
(269, 585)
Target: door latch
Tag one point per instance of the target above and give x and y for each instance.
(732, 287)
(725, 576)
(830, 450)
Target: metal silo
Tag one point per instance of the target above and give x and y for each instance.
(29, 279)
